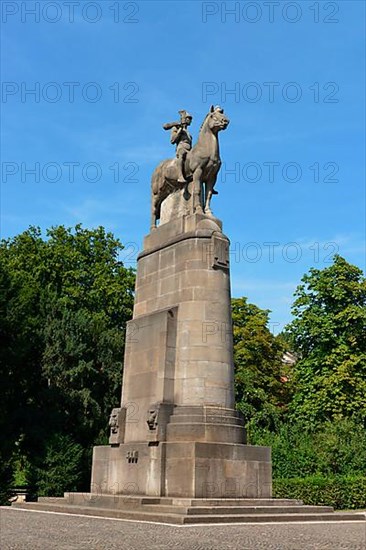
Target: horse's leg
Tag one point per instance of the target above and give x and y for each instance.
(197, 199)
(153, 212)
(155, 187)
(209, 190)
(208, 198)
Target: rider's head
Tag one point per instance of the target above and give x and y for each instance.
(185, 117)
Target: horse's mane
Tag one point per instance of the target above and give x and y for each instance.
(204, 120)
(217, 108)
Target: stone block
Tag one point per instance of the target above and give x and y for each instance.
(164, 233)
(130, 469)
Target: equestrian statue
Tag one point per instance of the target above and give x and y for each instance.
(196, 166)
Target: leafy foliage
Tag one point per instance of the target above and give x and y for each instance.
(64, 305)
(328, 333)
(261, 394)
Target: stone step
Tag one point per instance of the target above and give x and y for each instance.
(119, 501)
(210, 419)
(275, 518)
(138, 515)
(204, 410)
(189, 409)
(204, 432)
(237, 510)
(102, 500)
(180, 519)
(234, 502)
(171, 506)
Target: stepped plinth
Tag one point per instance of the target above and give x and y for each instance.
(178, 432)
(185, 511)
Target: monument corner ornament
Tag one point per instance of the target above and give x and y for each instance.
(176, 432)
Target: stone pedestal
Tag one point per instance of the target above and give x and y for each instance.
(177, 432)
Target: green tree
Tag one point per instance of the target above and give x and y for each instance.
(20, 349)
(261, 393)
(8, 393)
(328, 334)
(68, 298)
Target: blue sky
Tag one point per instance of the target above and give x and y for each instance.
(292, 185)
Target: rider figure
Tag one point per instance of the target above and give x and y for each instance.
(181, 137)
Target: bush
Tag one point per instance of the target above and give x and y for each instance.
(61, 467)
(6, 474)
(335, 448)
(341, 492)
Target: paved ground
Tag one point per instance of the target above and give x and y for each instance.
(26, 530)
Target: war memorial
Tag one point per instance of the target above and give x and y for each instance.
(177, 450)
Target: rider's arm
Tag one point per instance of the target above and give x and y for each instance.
(175, 134)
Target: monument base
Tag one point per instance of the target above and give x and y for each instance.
(183, 469)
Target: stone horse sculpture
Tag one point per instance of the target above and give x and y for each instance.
(201, 167)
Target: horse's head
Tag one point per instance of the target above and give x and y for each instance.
(216, 120)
